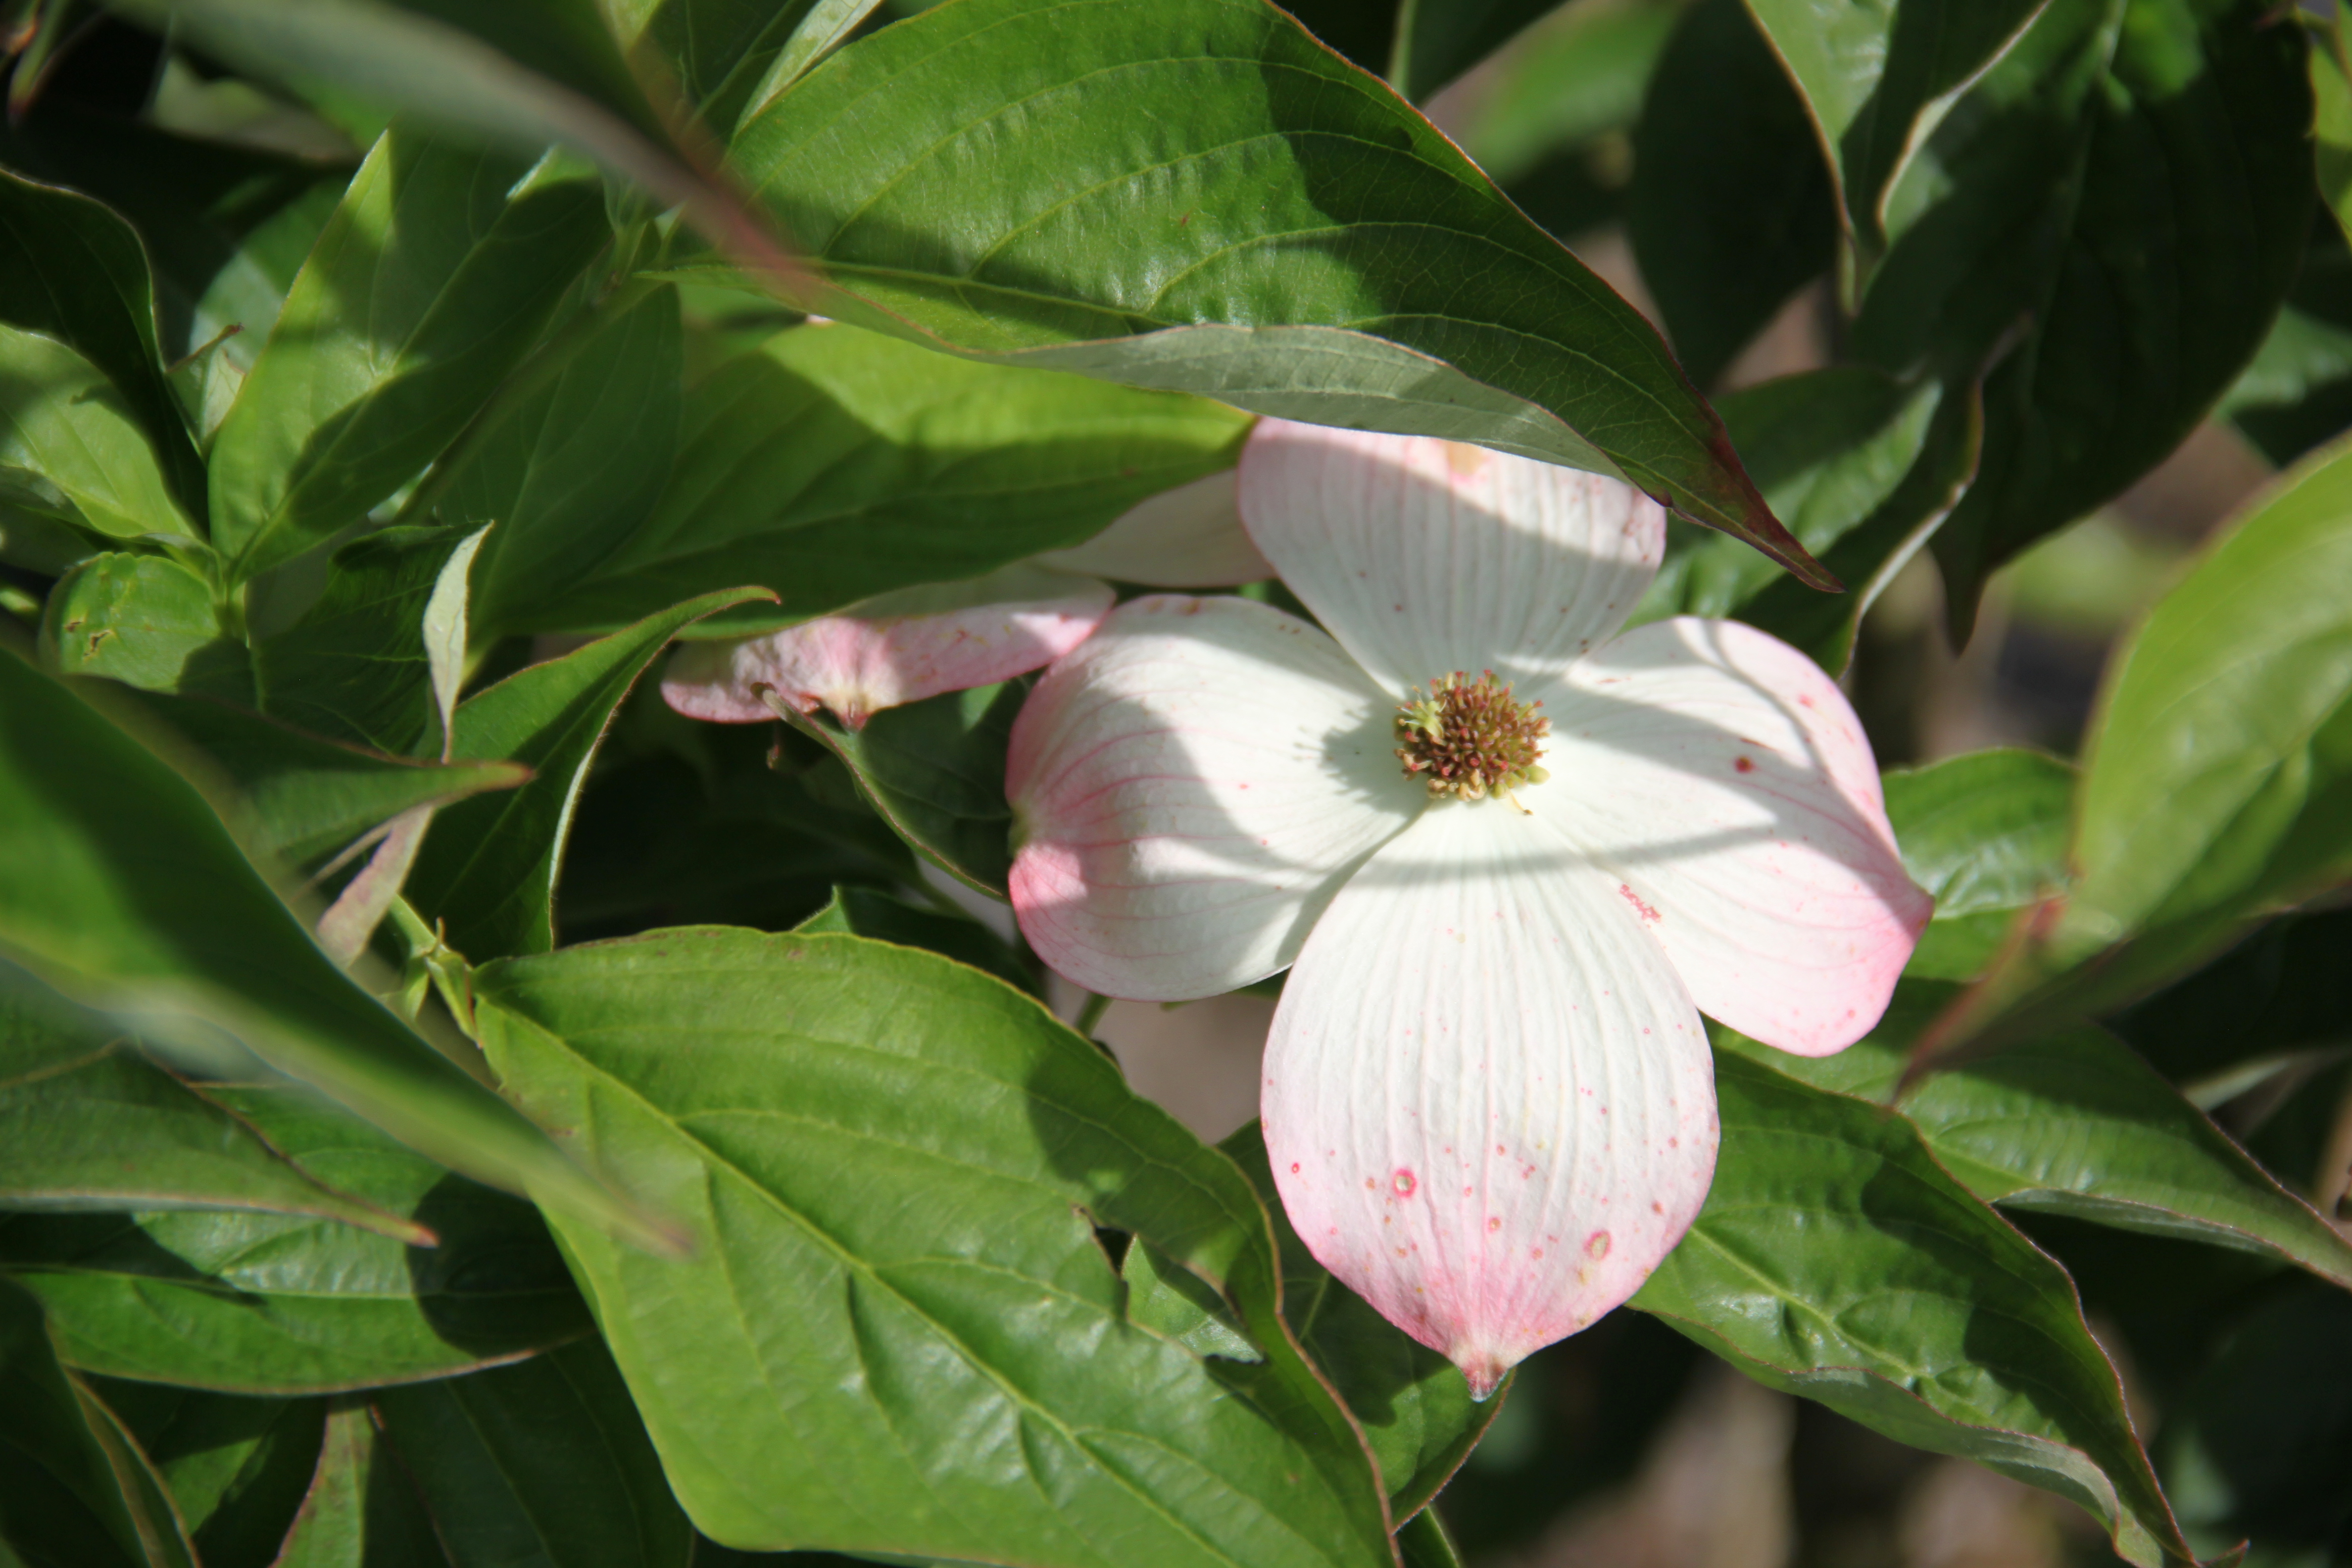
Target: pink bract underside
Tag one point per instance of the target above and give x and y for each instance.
(1489, 1099)
(1190, 537)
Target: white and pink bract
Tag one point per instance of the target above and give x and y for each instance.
(1487, 1099)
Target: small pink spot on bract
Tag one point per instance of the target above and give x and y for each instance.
(1493, 1224)
(1634, 898)
(1404, 1183)
(1294, 1167)
(1596, 1246)
(1745, 764)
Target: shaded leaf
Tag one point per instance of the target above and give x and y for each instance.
(303, 797)
(544, 1461)
(1863, 468)
(1437, 40)
(489, 868)
(277, 1304)
(1579, 76)
(146, 621)
(74, 272)
(730, 55)
(88, 1122)
(2331, 91)
(361, 1511)
(830, 465)
(426, 287)
(237, 1469)
(1205, 167)
(2296, 395)
(1731, 209)
(66, 428)
(1986, 834)
(934, 769)
(924, 1318)
(2113, 213)
(1836, 1260)
(120, 887)
(62, 1496)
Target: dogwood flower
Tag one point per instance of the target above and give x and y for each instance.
(1507, 857)
(919, 642)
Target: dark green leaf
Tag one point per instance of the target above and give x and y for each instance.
(119, 886)
(2298, 392)
(64, 425)
(146, 621)
(1836, 1260)
(541, 1462)
(1423, 1542)
(830, 465)
(88, 1122)
(361, 1511)
(1437, 40)
(489, 866)
(354, 667)
(2331, 90)
(1731, 209)
(1413, 1403)
(730, 55)
(74, 272)
(1207, 182)
(2285, 990)
(303, 797)
(238, 1468)
(1878, 78)
(63, 1500)
(935, 772)
(2114, 213)
(248, 1303)
(1863, 468)
(1986, 834)
(932, 1358)
(878, 917)
(426, 287)
(568, 469)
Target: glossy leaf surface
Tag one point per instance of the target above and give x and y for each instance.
(919, 1318)
(1986, 835)
(88, 821)
(489, 866)
(1277, 189)
(934, 771)
(278, 1304)
(831, 464)
(426, 287)
(1836, 1260)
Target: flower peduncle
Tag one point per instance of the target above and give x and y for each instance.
(1470, 739)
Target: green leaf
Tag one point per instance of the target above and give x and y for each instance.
(1580, 76)
(1863, 468)
(1423, 1542)
(63, 1466)
(1878, 78)
(2331, 91)
(544, 1461)
(354, 668)
(1413, 1403)
(74, 272)
(1836, 1260)
(830, 465)
(2283, 991)
(280, 1304)
(1986, 834)
(2216, 780)
(1210, 169)
(934, 769)
(730, 55)
(568, 469)
(88, 1122)
(63, 423)
(146, 621)
(2073, 1123)
(428, 287)
(120, 887)
(301, 798)
(932, 1359)
(1731, 209)
(1437, 40)
(2298, 392)
(363, 1510)
(237, 1469)
(489, 866)
(878, 917)
(2113, 214)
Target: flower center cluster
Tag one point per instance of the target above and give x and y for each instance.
(1470, 739)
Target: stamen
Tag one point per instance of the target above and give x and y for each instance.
(1471, 740)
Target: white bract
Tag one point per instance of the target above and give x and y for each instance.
(919, 642)
(1487, 1095)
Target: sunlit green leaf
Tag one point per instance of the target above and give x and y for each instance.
(62, 422)
(878, 917)
(1986, 834)
(146, 621)
(886, 1364)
